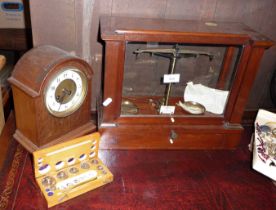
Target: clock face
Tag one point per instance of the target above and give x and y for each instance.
(65, 92)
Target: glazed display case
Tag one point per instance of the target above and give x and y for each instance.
(174, 84)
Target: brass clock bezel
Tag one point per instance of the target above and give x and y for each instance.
(82, 97)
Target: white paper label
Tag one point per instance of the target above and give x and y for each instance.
(167, 109)
(171, 78)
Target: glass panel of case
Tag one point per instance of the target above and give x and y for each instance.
(177, 79)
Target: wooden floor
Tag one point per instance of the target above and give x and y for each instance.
(146, 179)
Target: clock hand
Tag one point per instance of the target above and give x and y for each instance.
(61, 98)
(59, 106)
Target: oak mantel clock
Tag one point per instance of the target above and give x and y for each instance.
(52, 97)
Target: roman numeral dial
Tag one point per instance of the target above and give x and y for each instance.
(65, 92)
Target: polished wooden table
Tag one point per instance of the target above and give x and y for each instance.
(153, 179)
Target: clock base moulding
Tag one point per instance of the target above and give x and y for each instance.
(31, 147)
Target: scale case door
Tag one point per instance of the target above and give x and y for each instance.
(171, 84)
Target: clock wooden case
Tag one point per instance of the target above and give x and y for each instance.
(223, 56)
(45, 118)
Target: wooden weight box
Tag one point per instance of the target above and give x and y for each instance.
(70, 169)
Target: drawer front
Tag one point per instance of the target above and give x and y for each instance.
(168, 137)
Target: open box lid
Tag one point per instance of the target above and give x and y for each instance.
(54, 158)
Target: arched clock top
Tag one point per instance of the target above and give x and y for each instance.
(38, 65)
